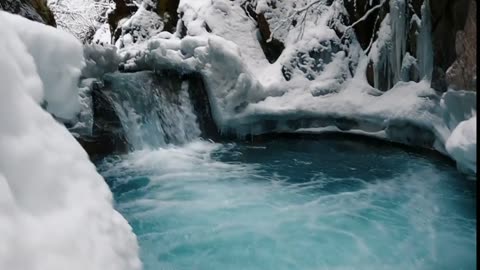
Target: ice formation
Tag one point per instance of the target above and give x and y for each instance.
(55, 209)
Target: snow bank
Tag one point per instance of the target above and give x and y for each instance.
(462, 145)
(58, 60)
(55, 209)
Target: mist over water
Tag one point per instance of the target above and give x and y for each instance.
(293, 204)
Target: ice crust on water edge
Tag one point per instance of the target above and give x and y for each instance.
(56, 211)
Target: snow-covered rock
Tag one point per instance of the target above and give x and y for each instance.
(59, 75)
(56, 211)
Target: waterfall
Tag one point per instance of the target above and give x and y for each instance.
(154, 110)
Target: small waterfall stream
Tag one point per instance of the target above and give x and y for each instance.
(154, 110)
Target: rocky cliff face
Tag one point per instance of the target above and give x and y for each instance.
(462, 74)
(35, 10)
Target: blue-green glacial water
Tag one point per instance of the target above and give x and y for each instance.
(295, 204)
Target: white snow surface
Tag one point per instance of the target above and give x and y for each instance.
(462, 145)
(56, 211)
(58, 60)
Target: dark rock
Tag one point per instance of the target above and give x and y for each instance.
(448, 17)
(272, 48)
(438, 80)
(167, 9)
(123, 9)
(410, 134)
(108, 136)
(367, 29)
(201, 104)
(412, 39)
(183, 29)
(462, 73)
(370, 73)
(413, 73)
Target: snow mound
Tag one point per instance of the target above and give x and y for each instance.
(462, 145)
(56, 211)
(57, 58)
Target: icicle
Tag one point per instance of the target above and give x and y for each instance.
(424, 44)
(398, 10)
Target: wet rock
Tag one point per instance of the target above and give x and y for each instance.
(108, 136)
(201, 105)
(410, 134)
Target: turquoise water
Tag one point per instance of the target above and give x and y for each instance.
(294, 204)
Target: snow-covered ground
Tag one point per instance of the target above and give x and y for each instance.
(56, 211)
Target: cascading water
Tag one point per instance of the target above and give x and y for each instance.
(326, 204)
(154, 110)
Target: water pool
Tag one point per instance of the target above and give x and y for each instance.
(295, 204)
